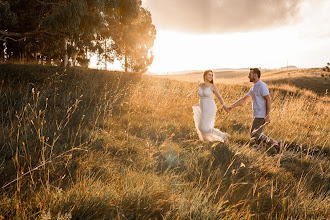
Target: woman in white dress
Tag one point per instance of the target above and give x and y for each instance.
(204, 112)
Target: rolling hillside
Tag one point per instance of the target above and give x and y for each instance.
(90, 144)
(309, 79)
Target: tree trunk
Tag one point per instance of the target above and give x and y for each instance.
(105, 55)
(126, 63)
(3, 52)
(48, 60)
(65, 53)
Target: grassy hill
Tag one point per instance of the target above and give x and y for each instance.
(310, 79)
(89, 144)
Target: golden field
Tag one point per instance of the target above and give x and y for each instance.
(90, 144)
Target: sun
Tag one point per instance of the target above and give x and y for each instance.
(175, 51)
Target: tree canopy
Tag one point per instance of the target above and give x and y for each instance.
(53, 29)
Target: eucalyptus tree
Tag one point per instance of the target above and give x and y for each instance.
(61, 29)
(134, 37)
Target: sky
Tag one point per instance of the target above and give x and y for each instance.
(210, 34)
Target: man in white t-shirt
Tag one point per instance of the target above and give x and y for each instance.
(261, 105)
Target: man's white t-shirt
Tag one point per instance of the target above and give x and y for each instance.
(257, 92)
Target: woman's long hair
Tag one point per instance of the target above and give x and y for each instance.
(205, 73)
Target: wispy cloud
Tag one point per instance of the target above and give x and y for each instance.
(220, 16)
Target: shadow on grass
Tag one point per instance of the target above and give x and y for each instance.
(316, 180)
(316, 84)
(315, 151)
(54, 111)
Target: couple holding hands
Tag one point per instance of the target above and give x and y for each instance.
(205, 111)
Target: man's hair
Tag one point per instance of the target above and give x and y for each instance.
(257, 71)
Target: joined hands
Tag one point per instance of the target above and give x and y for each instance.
(226, 108)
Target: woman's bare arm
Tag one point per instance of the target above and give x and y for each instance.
(217, 94)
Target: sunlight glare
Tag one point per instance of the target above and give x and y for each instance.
(180, 51)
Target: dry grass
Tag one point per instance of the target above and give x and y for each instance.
(91, 144)
(314, 79)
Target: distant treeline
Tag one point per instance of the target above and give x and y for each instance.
(66, 32)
